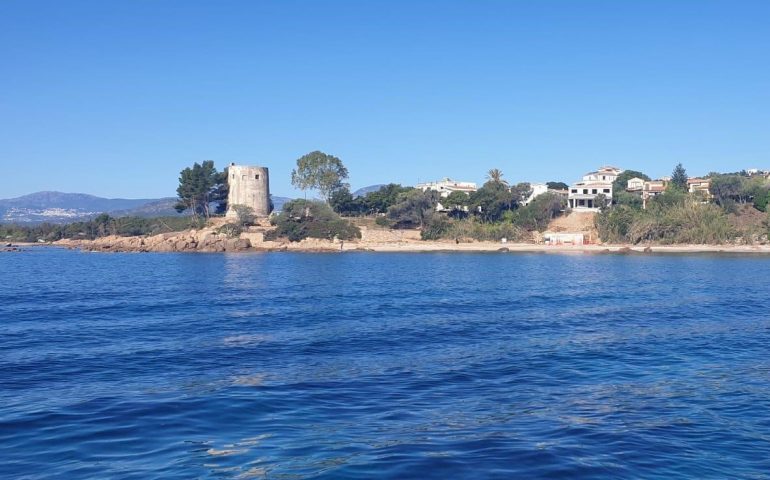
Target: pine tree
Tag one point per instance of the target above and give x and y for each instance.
(679, 177)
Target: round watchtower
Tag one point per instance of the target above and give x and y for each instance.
(250, 186)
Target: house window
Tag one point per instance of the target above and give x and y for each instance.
(594, 191)
(606, 190)
(256, 177)
(574, 190)
(233, 176)
(585, 191)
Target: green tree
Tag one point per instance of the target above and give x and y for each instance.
(343, 203)
(244, 214)
(540, 211)
(679, 178)
(728, 188)
(495, 175)
(520, 193)
(198, 187)
(221, 191)
(301, 219)
(455, 201)
(490, 201)
(319, 171)
(384, 198)
(413, 209)
(557, 186)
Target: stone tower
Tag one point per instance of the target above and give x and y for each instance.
(250, 186)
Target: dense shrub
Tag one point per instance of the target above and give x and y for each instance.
(539, 212)
(301, 219)
(440, 227)
(232, 230)
(686, 222)
(100, 226)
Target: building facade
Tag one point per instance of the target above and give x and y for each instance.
(447, 186)
(585, 194)
(700, 186)
(249, 186)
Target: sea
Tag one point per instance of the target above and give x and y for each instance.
(363, 365)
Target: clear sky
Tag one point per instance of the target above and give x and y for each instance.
(114, 98)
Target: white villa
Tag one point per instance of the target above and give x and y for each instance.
(537, 190)
(447, 186)
(541, 188)
(636, 184)
(583, 194)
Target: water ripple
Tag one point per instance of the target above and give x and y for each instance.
(387, 366)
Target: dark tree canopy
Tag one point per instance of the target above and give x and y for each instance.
(679, 177)
(343, 202)
(301, 219)
(491, 200)
(319, 171)
(200, 185)
(413, 209)
(557, 185)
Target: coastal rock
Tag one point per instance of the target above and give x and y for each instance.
(237, 244)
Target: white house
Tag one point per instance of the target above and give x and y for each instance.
(651, 189)
(583, 194)
(447, 186)
(537, 190)
(636, 184)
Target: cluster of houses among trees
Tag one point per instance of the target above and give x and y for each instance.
(611, 185)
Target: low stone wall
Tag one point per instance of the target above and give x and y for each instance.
(381, 235)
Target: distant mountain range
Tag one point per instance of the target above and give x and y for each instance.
(363, 191)
(58, 207)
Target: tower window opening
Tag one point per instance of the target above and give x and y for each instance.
(256, 177)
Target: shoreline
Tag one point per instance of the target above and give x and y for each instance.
(138, 245)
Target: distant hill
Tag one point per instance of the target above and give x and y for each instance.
(58, 207)
(278, 202)
(371, 188)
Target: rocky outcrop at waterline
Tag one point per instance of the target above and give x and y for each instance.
(187, 241)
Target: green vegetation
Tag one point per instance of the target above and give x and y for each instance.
(679, 178)
(683, 222)
(731, 189)
(100, 226)
(244, 215)
(619, 194)
(495, 175)
(413, 209)
(441, 227)
(301, 219)
(199, 186)
(319, 171)
(491, 201)
(557, 186)
(680, 217)
(378, 202)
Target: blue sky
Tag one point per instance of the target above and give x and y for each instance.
(114, 98)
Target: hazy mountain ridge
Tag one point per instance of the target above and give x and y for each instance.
(361, 192)
(60, 207)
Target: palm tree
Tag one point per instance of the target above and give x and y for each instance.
(496, 176)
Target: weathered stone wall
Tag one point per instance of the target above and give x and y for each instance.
(380, 235)
(250, 186)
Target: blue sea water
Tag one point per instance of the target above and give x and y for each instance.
(362, 365)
